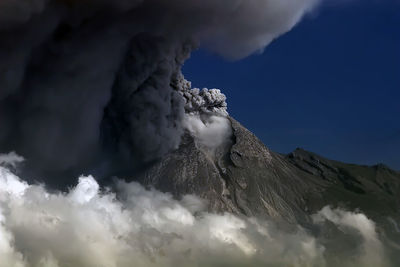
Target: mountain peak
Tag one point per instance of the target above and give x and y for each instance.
(246, 178)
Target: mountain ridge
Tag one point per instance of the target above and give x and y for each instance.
(246, 177)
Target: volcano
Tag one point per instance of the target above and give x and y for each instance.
(246, 178)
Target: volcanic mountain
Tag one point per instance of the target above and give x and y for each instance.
(244, 177)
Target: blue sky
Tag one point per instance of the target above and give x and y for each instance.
(331, 85)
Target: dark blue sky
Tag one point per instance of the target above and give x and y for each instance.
(331, 85)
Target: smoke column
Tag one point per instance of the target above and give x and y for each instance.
(95, 86)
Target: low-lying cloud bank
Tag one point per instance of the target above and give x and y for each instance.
(132, 226)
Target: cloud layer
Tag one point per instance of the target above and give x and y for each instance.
(94, 226)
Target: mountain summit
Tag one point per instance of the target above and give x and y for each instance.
(246, 178)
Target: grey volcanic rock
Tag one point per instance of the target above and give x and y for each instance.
(242, 177)
(245, 177)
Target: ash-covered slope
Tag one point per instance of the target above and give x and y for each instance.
(242, 177)
(245, 177)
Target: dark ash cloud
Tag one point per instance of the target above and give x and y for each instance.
(88, 84)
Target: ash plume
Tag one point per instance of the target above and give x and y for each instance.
(94, 86)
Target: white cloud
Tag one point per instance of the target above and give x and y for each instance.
(372, 253)
(11, 159)
(209, 131)
(93, 226)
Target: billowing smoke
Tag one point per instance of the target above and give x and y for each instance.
(99, 81)
(205, 116)
(94, 226)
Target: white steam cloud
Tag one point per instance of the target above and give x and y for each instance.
(371, 251)
(93, 226)
(210, 131)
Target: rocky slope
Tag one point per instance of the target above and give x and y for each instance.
(245, 177)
